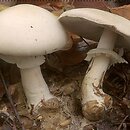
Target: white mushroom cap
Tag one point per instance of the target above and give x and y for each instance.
(90, 23)
(28, 30)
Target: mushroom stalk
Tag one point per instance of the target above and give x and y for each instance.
(92, 93)
(35, 87)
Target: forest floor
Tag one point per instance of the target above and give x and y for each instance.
(66, 86)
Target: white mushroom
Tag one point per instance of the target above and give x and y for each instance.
(108, 29)
(28, 32)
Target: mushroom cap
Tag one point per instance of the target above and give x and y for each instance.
(90, 23)
(29, 30)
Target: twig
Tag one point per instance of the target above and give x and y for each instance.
(11, 101)
(85, 41)
(119, 128)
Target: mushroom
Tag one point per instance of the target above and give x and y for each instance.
(27, 33)
(109, 30)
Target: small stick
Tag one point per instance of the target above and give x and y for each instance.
(85, 41)
(11, 101)
(119, 128)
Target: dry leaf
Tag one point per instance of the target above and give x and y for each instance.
(2, 7)
(123, 11)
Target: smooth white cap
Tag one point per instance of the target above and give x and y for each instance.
(90, 23)
(29, 30)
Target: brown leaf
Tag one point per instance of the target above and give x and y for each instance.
(123, 11)
(91, 4)
(76, 54)
(5, 127)
(2, 7)
(28, 123)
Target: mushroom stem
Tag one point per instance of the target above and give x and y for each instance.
(92, 93)
(35, 87)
